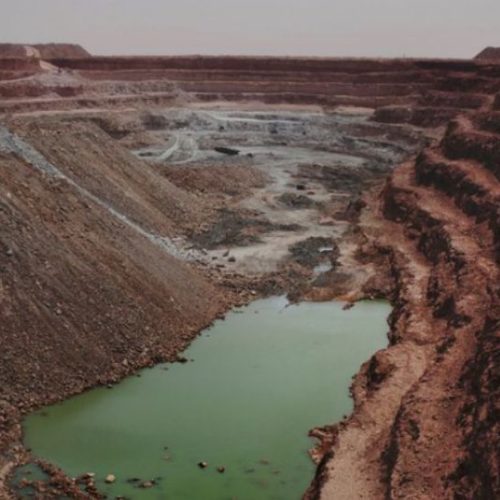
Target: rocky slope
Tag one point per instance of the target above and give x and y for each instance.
(425, 423)
(92, 286)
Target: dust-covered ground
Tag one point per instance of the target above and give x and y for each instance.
(289, 174)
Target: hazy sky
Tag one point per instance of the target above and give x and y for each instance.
(445, 28)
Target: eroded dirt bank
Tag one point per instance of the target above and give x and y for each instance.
(168, 190)
(425, 423)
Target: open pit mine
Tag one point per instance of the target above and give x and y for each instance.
(142, 199)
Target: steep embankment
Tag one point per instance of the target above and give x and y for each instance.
(91, 287)
(89, 156)
(425, 421)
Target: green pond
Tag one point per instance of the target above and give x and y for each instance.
(259, 380)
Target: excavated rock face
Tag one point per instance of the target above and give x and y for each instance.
(97, 296)
(428, 426)
(423, 93)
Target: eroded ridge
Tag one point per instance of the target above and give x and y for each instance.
(425, 422)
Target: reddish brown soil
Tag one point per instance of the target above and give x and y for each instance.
(219, 180)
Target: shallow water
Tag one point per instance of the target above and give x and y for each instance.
(259, 381)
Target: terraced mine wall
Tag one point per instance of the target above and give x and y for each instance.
(427, 426)
(411, 88)
(103, 270)
(263, 63)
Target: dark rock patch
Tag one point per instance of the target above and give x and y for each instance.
(296, 201)
(227, 151)
(312, 251)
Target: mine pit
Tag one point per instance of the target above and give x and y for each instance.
(204, 259)
(263, 223)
